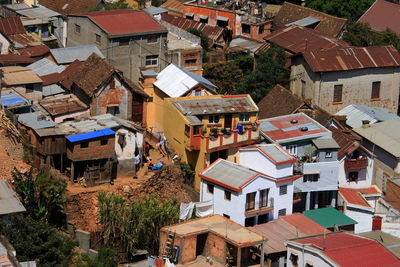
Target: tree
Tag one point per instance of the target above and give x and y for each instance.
(270, 70)
(38, 241)
(361, 34)
(42, 195)
(227, 76)
(350, 9)
(111, 6)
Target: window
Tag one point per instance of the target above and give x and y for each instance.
(337, 93)
(124, 41)
(77, 28)
(292, 149)
(153, 38)
(213, 119)
(152, 60)
(227, 195)
(210, 188)
(311, 177)
(303, 88)
(98, 38)
(189, 16)
(376, 90)
(29, 88)
(84, 145)
(204, 20)
(190, 62)
(328, 154)
(283, 190)
(353, 176)
(103, 142)
(197, 92)
(244, 117)
(226, 216)
(245, 28)
(263, 198)
(187, 130)
(282, 212)
(113, 110)
(261, 29)
(294, 259)
(250, 201)
(222, 23)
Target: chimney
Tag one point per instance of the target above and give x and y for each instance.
(365, 124)
(251, 8)
(376, 223)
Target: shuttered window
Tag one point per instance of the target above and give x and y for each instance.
(376, 90)
(337, 93)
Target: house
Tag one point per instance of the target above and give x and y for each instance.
(338, 249)
(382, 139)
(360, 205)
(356, 114)
(66, 7)
(249, 195)
(336, 78)
(9, 202)
(202, 129)
(24, 81)
(173, 81)
(40, 29)
(214, 33)
(213, 238)
(331, 219)
(313, 145)
(67, 55)
(246, 20)
(280, 101)
(287, 227)
(13, 104)
(14, 35)
(382, 15)
(105, 90)
(356, 163)
(390, 242)
(292, 14)
(131, 40)
(64, 107)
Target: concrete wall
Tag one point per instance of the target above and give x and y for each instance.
(308, 256)
(362, 217)
(328, 177)
(364, 176)
(357, 86)
(215, 247)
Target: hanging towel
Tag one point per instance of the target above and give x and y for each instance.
(205, 208)
(186, 211)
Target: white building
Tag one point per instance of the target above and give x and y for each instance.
(257, 191)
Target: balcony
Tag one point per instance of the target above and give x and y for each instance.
(255, 207)
(356, 164)
(195, 141)
(220, 139)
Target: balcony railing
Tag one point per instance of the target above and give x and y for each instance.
(356, 164)
(259, 205)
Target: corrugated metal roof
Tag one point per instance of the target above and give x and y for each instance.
(63, 104)
(34, 51)
(36, 120)
(17, 6)
(11, 26)
(382, 15)
(246, 44)
(44, 67)
(355, 114)
(52, 89)
(351, 58)
(325, 143)
(220, 104)
(328, 217)
(176, 82)
(8, 59)
(152, 10)
(8, 100)
(9, 202)
(38, 12)
(90, 135)
(70, 54)
(391, 242)
(385, 134)
(49, 131)
(304, 22)
(229, 174)
(125, 22)
(273, 151)
(19, 75)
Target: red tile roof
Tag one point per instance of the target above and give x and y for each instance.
(15, 59)
(353, 58)
(34, 51)
(304, 224)
(125, 22)
(351, 250)
(310, 40)
(353, 196)
(382, 15)
(281, 128)
(347, 140)
(67, 7)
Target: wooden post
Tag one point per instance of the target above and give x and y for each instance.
(239, 257)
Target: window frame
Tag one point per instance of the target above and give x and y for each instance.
(328, 154)
(97, 38)
(263, 197)
(124, 41)
(338, 98)
(313, 177)
(103, 142)
(250, 201)
(151, 60)
(292, 149)
(212, 121)
(246, 26)
(283, 190)
(77, 28)
(227, 195)
(244, 117)
(152, 38)
(282, 212)
(210, 188)
(376, 86)
(187, 130)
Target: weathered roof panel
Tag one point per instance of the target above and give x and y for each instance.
(70, 54)
(382, 15)
(44, 67)
(90, 135)
(38, 12)
(36, 120)
(9, 202)
(328, 217)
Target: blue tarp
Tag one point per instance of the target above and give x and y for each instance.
(90, 135)
(11, 99)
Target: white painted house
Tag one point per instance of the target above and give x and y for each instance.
(258, 190)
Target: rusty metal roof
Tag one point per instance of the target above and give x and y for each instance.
(352, 58)
(63, 104)
(218, 104)
(382, 15)
(11, 26)
(297, 39)
(212, 32)
(9, 202)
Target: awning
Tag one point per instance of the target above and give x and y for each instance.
(203, 17)
(189, 14)
(311, 172)
(222, 18)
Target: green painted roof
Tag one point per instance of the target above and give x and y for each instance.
(328, 217)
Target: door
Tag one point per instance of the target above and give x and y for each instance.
(137, 108)
(201, 243)
(228, 121)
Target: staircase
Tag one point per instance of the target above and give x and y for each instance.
(168, 251)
